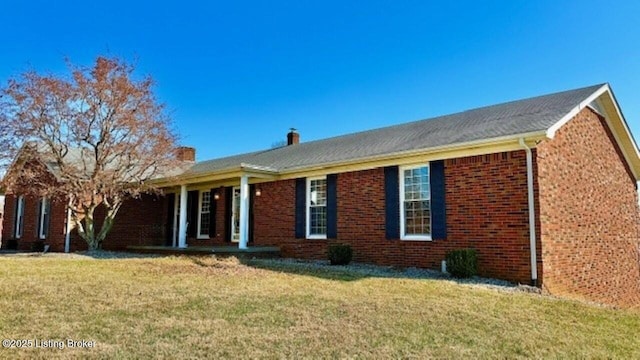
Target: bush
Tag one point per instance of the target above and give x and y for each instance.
(37, 246)
(462, 263)
(12, 244)
(340, 254)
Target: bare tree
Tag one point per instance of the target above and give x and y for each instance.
(95, 138)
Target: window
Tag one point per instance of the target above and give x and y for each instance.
(317, 208)
(43, 221)
(19, 219)
(204, 219)
(235, 215)
(415, 203)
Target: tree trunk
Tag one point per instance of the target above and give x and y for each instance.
(84, 220)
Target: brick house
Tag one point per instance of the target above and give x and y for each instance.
(544, 188)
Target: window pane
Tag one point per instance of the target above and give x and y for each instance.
(417, 204)
(317, 207)
(205, 209)
(318, 220)
(204, 224)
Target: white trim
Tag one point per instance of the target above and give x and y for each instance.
(551, 131)
(308, 210)
(595, 97)
(424, 237)
(244, 212)
(617, 137)
(18, 226)
(624, 123)
(42, 234)
(234, 203)
(182, 228)
(532, 214)
(229, 172)
(67, 232)
(201, 193)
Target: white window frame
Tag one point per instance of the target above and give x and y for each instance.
(308, 209)
(403, 236)
(42, 232)
(19, 218)
(200, 197)
(235, 202)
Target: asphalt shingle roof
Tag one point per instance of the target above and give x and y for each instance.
(511, 118)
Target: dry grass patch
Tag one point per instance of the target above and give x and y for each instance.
(185, 307)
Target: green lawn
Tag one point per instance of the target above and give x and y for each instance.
(185, 307)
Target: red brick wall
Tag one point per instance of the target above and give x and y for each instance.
(589, 215)
(486, 209)
(139, 222)
(30, 234)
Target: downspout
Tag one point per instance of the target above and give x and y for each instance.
(532, 214)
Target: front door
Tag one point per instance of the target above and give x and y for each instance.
(235, 215)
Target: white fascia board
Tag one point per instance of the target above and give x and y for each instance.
(443, 148)
(605, 90)
(266, 169)
(624, 121)
(551, 132)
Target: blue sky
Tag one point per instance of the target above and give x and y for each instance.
(236, 75)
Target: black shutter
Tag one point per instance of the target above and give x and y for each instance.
(16, 216)
(301, 200)
(213, 206)
(438, 206)
(228, 204)
(392, 202)
(47, 218)
(252, 198)
(39, 218)
(171, 203)
(332, 206)
(192, 213)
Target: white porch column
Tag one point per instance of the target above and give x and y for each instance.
(67, 232)
(244, 212)
(182, 228)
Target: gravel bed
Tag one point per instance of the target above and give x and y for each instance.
(394, 272)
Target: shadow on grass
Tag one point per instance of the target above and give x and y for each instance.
(358, 271)
(351, 272)
(341, 273)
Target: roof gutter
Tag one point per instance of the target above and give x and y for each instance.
(532, 215)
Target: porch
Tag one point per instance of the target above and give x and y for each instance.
(252, 251)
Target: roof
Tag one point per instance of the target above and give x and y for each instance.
(83, 160)
(526, 116)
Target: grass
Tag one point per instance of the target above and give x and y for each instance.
(186, 307)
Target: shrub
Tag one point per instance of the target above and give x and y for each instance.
(462, 263)
(340, 254)
(12, 244)
(37, 246)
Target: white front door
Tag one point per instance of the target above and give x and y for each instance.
(235, 215)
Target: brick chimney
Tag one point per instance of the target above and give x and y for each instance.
(293, 137)
(186, 153)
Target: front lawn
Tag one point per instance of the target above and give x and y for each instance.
(185, 307)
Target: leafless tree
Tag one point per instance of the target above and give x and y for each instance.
(96, 138)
